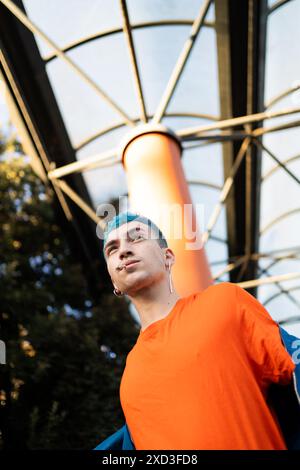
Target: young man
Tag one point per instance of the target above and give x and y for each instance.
(199, 372)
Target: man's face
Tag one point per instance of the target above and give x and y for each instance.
(134, 241)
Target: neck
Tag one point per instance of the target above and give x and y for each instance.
(154, 303)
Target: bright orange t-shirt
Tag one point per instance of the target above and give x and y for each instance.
(198, 378)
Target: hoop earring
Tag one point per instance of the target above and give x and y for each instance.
(118, 293)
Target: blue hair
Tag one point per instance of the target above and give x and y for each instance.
(126, 217)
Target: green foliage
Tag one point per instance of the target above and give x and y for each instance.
(65, 354)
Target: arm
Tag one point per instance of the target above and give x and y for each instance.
(265, 349)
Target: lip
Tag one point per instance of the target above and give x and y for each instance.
(130, 263)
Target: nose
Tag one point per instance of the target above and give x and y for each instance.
(124, 249)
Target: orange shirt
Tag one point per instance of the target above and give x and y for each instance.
(198, 378)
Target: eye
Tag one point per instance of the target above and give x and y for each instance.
(135, 234)
(138, 236)
(110, 250)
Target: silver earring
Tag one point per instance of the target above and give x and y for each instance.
(118, 293)
(170, 280)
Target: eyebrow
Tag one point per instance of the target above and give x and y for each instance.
(111, 242)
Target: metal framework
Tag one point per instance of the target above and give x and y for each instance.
(241, 47)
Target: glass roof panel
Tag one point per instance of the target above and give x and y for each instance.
(96, 114)
(200, 73)
(76, 19)
(157, 51)
(280, 193)
(282, 60)
(156, 10)
(204, 163)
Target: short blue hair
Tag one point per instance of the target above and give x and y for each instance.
(126, 217)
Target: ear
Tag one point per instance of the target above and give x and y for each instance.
(169, 256)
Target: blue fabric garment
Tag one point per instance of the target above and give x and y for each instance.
(292, 344)
(284, 399)
(120, 440)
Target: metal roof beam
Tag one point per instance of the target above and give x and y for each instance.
(241, 32)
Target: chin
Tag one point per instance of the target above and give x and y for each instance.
(134, 287)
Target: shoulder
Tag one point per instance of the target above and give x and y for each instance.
(223, 289)
(221, 297)
(249, 308)
(229, 291)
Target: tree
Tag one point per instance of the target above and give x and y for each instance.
(65, 353)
